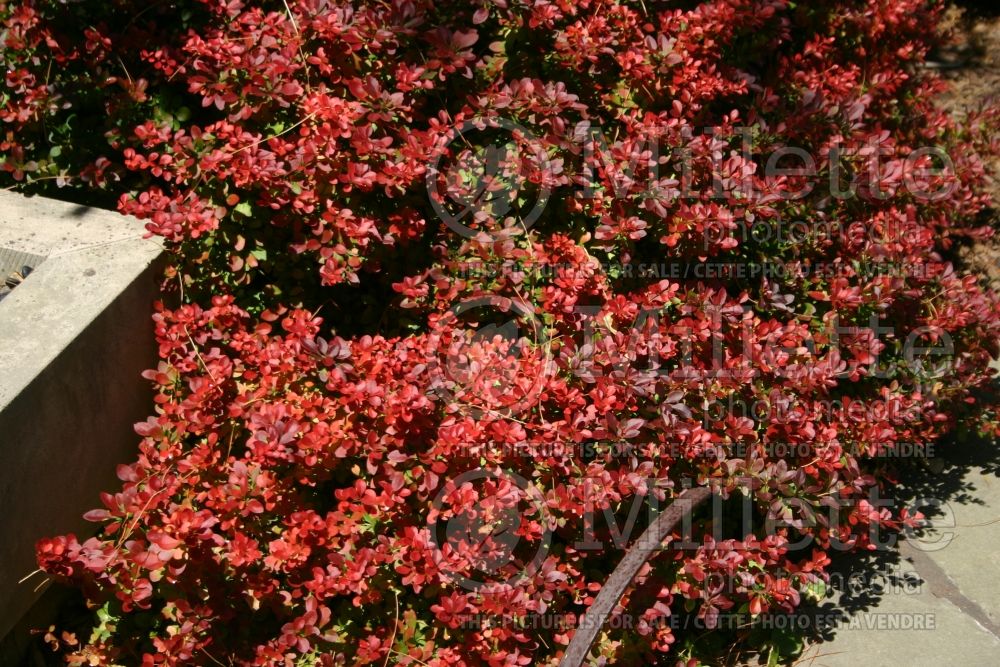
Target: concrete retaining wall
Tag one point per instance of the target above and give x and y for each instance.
(74, 339)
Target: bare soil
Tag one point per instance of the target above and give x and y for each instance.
(972, 66)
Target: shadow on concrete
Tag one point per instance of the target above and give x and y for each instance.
(860, 581)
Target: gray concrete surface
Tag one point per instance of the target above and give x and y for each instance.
(74, 339)
(953, 589)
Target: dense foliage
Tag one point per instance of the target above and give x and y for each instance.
(327, 398)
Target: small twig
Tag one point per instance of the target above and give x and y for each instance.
(978, 525)
(490, 411)
(213, 658)
(407, 655)
(395, 626)
(275, 136)
(30, 575)
(814, 658)
(197, 353)
(935, 64)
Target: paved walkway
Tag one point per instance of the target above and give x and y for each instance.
(933, 601)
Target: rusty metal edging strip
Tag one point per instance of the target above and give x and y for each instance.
(640, 552)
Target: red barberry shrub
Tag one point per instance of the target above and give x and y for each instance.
(464, 285)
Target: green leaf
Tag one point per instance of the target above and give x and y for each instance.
(788, 644)
(815, 591)
(370, 523)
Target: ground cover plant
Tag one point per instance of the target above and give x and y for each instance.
(459, 290)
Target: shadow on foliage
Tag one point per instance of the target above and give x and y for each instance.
(980, 8)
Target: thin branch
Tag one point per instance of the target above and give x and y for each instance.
(637, 556)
